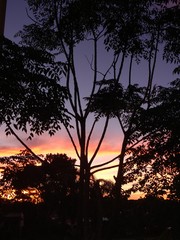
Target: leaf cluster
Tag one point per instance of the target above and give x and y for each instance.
(54, 178)
(154, 163)
(126, 27)
(30, 91)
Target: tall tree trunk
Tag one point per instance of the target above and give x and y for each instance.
(117, 207)
(84, 187)
(84, 203)
(119, 178)
(98, 212)
(2, 16)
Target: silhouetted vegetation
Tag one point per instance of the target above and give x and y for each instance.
(40, 91)
(144, 218)
(50, 204)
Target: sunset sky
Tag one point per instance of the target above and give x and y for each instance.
(16, 17)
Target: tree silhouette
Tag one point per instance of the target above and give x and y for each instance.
(130, 33)
(13, 167)
(156, 159)
(54, 179)
(30, 90)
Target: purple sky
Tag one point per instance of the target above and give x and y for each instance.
(16, 17)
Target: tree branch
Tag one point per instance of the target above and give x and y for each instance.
(106, 168)
(100, 141)
(103, 164)
(18, 138)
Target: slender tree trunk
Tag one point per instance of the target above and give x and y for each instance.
(98, 213)
(119, 178)
(84, 187)
(2, 16)
(118, 201)
(84, 203)
(117, 206)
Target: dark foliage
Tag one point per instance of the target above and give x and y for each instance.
(155, 162)
(54, 179)
(31, 96)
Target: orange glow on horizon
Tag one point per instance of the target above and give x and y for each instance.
(9, 152)
(54, 147)
(58, 145)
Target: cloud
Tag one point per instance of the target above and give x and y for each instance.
(60, 143)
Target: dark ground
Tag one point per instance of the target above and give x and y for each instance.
(139, 220)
